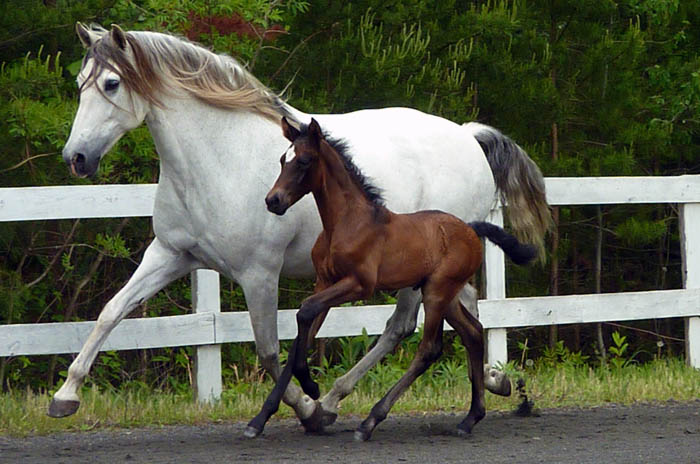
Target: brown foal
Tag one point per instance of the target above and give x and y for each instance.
(365, 247)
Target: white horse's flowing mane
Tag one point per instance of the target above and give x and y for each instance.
(156, 63)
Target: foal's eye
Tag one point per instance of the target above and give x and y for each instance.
(111, 85)
(304, 160)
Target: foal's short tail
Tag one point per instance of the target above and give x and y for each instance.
(520, 183)
(518, 252)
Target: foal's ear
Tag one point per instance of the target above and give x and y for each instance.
(118, 36)
(87, 37)
(289, 131)
(315, 133)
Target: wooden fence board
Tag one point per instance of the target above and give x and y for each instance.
(130, 334)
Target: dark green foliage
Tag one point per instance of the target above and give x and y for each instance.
(619, 80)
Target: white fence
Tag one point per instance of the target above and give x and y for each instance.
(207, 328)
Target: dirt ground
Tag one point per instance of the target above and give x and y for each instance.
(619, 434)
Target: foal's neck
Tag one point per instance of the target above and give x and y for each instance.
(338, 196)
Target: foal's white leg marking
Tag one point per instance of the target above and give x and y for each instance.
(495, 381)
(401, 324)
(160, 266)
(260, 289)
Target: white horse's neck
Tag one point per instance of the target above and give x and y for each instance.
(194, 140)
(215, 168)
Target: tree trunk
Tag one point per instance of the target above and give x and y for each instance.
(554, 269)
(598, 272)
(554, 265)
(575, 289)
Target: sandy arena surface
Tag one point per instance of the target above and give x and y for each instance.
(620, 434)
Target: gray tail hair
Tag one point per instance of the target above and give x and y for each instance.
(519, 182)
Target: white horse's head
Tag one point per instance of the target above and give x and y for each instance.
(109, 106)
(125, 74)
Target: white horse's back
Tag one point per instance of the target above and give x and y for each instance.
(420, 161)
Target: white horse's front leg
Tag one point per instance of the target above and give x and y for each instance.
(160, 266)
(400, 325)
(260, 286)
(495, 381)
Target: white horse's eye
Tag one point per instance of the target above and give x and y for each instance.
(111, 85)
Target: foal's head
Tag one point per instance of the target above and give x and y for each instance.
(296, 178)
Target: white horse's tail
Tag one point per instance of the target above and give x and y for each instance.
(519, 182)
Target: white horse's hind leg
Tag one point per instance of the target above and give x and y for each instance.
(400, 325)
(495, 381)
(260, 288)
(160, 266)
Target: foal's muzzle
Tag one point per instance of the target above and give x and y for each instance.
(276, 204)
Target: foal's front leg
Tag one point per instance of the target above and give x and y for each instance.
(345, 290)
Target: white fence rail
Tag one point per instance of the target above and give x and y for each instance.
(207, 328)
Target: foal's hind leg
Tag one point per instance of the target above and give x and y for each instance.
(429, 350)
(495, 381)
(471, 333)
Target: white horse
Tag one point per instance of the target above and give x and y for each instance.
(217, 132)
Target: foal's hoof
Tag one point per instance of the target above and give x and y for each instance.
(465, 427)
(251, 432)
(362, 435)
(62, 408)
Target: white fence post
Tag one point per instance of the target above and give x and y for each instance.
(206, 298)
(690, 249)
(496, 339)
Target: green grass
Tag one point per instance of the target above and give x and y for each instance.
(443, 388)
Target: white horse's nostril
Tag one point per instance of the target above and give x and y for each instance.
(78, 158)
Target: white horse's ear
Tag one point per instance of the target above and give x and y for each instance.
(289, 131)
(86, 35)
(118, 36)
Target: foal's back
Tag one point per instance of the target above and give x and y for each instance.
(427, 246)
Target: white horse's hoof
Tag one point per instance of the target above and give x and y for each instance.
(62, 408)
(497, 382)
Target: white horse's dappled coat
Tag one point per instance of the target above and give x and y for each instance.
(217, 133)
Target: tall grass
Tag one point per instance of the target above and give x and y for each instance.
(443, 388)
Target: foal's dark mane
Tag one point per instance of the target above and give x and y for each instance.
(341, 147)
